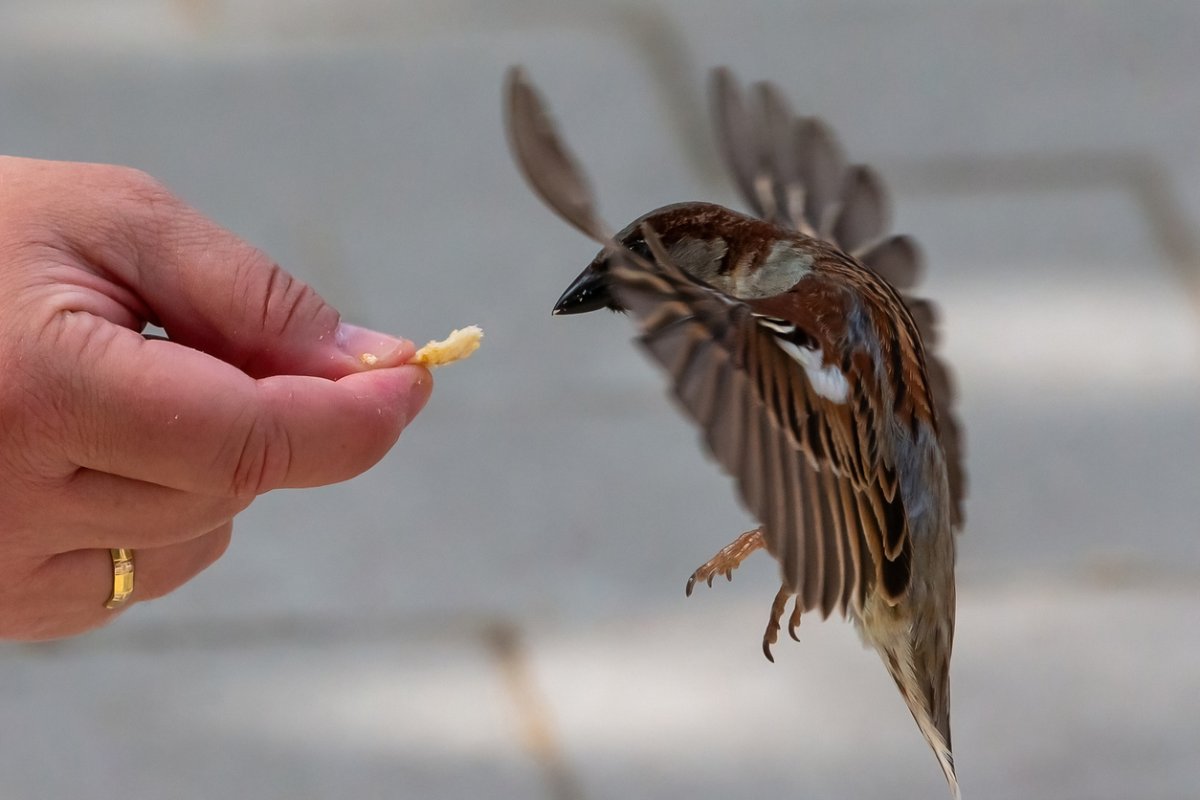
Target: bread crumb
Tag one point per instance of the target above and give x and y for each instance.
(368, 359)
(458, 345)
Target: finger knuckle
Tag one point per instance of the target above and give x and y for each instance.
(139, 185)
(261, 459)
(280, 300)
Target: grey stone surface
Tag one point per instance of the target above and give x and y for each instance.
(1056, 695)
(117, 717)
(1043, 154)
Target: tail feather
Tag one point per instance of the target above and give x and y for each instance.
(926, 691)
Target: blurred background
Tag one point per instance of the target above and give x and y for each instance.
(497, 609)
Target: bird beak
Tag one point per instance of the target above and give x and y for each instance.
(588, 292)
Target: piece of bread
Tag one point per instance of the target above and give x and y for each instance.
(455, 347)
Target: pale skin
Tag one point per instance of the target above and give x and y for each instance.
(110, 439)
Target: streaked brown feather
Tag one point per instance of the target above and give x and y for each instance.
(843, 565)
(862, 565)
(848, 208)
(813, 539)
(744, 392)
(868, 523)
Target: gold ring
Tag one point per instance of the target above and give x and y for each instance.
(122, 559)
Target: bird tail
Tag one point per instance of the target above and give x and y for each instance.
(922, 675)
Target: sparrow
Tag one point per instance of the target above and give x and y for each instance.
(789, 337)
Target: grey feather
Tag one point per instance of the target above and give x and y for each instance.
(545, 161)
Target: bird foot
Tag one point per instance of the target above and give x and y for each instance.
(728, 559)
(778, 606)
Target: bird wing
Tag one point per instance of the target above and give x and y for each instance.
(549, 167)
(805, 466)
(792, 172)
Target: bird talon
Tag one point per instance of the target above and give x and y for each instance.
(727, 560)
(794, 620)
(770, 637)
(772, 633)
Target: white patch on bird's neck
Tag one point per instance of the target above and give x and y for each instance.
(827, 381)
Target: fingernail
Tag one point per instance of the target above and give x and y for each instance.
(371, 348)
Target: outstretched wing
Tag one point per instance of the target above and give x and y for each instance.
(791, 171)
(830, 509)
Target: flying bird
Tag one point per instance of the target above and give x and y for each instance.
(790, 338)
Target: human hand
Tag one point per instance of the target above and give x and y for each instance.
(109, 439)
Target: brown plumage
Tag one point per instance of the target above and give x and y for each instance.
(787, 339)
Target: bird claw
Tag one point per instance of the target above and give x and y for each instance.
(794, 620)
(727, 560)
(778, 606)
(767, 650)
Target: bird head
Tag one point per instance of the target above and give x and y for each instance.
(699, 237)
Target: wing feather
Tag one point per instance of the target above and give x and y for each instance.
(737, 138)
(820, 167)
(813, 538)
(836, 587)
(895, 259)
(548, 166)
(808, 187)
(763, 423)
(863, 216)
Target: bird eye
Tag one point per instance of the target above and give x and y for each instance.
(640, 247)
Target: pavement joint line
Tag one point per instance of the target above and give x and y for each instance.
(501, 638)
(537, 732)
(499, 634)
(271, 630)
